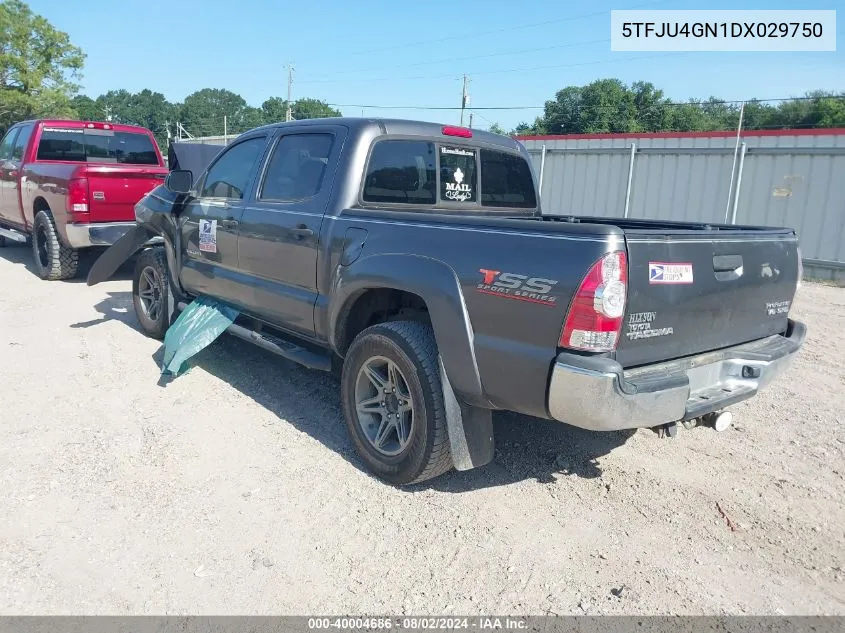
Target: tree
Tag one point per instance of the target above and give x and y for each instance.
(312, 109)
(37, 66)
(86, 108)
(831, 112)
(563, 115)
(649, 105)
(202, 112)
(607, 105)
(274, 110)
(146, 108)
(498, 129)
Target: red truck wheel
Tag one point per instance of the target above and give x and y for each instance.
(53, 260)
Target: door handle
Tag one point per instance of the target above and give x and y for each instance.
(301, 231)
(724, 263)
(727, 267)
(229, 223)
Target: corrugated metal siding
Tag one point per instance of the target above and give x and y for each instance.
(787, 180)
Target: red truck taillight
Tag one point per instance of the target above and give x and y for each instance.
(594, 320)
(77, 195)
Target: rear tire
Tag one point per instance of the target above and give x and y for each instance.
(150, 292)
(391, 391)
(53, 260)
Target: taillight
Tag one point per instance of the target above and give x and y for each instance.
(594, 320)
(77, 195)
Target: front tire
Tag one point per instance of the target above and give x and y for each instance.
(393, 402)
(150, 292)
(53, 260)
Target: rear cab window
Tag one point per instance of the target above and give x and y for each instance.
(448, 175)
(96, 146)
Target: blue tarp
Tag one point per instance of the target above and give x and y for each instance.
(195, 329)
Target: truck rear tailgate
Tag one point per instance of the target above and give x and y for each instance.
(700, 290)
(113, 190)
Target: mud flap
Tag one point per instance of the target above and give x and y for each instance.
(470, 429)
(194, 329)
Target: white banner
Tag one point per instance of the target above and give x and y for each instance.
(773, 30)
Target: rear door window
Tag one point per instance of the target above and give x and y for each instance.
(96, 146)
(402, 172)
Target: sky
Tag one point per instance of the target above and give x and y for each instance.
(398, 58)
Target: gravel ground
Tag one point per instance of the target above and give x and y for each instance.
(235, 490)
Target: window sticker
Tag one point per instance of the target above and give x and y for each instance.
(457, 174)
(208, 236)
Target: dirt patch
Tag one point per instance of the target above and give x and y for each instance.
(236, 490)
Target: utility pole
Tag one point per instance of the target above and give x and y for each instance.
(470, 118)
(288, 114)
(464, 98)
(733, 167)
(225, 130)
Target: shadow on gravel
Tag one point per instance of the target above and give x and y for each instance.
(22, 255)
(526, 448)
(531, 448)
(117, 306)
(18, 254)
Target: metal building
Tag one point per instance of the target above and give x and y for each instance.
(210, 140)
(793, 178)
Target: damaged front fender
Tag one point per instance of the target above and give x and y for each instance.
(156, 215)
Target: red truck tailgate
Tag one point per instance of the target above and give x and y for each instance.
(113, 190)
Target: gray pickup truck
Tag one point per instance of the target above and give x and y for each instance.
(415, 257)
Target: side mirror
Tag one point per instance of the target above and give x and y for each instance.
(179, 181)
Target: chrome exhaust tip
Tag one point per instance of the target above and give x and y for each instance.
(722, 421)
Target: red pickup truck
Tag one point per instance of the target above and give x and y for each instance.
(71, 185)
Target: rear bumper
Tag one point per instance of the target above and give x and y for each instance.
(96, 234)
(597, 394)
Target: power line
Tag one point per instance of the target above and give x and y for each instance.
(464, 36)
(461, 59)
(506, 70)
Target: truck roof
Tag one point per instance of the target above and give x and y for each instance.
(401, 126)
